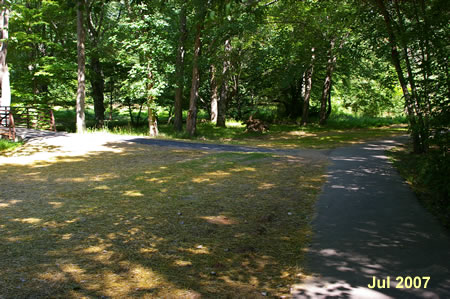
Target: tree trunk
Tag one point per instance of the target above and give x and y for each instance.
(152, 123)
(422, 123)
(329, 108)
(170, 119)
(138, 118)
(98, 89)
(417, 147)
(308, 86)
(327, 83)
(111, 99)
(296, 103)
(223, 99)
(214, 94)
(179, 73)
(130, 109)
(5, 99)
(81, 90)
(97, 77)
(425, 53)
(191, 122)
(152, 120)
(236, 95)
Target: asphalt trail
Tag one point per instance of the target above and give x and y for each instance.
(227, 147)
(369, 223)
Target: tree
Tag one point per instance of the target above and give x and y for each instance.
(179, 69)
(144, 42)
(95, 17)
(308, 87)
(81, 91)
(257, 53)
(5, 99)
(214, 94)
(191, 122)
(224, 92)
(42, 52)
(326, 92)
(152, 119)
(419, 140)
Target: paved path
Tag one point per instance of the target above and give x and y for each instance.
(31, 135)
(227, 147)
(369, 223)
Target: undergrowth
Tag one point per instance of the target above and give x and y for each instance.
(343, 121)
(6, 145)
(428, 176)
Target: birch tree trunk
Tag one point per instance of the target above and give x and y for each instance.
(152, 120)
(81, 90)
(5, 99)
(214, 94)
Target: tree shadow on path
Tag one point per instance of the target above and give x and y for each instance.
(370, 224)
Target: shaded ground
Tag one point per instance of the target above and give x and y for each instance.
(92, 216)
(369, 223)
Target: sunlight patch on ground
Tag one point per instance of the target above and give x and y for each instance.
(9, 203)
(221, 220)
(234, 124)
(56, 204)
(300, 133)
(181, 263)
(28, 220)
(71, 145)
(132, 193)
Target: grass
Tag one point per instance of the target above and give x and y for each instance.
(315, 137)
(6, 145)
(347, 121)
(148, 222)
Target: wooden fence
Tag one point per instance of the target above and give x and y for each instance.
(39, 118)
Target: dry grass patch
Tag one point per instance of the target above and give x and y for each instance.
(143, 222)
